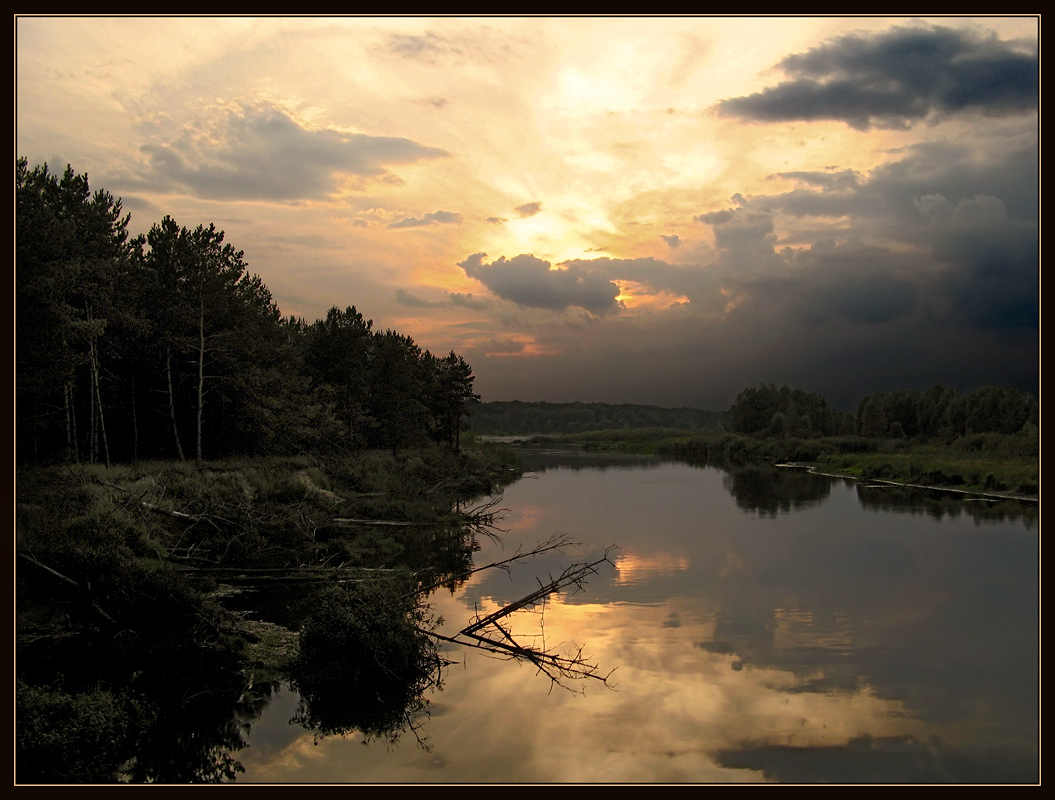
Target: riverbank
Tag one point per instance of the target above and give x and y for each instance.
(819, 469)
(987, 464)
(122, 637)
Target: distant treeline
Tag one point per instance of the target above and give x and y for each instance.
(939, 412)
(165, 346)
(517, 417)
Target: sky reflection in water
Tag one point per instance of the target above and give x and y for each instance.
(764, 626)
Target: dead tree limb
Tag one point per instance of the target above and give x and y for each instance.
(86, 589)
(553, 543)
(488, 634)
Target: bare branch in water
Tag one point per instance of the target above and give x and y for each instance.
(488, 634)
(555, 542)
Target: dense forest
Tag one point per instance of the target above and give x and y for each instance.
(939, 412)
(167, 346)
(517, 417)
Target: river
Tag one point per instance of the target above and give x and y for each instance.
(764, 625)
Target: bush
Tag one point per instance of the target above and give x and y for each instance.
(83, 738)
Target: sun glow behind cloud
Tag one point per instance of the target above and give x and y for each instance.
(636, 296)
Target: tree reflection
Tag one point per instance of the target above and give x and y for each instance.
(364, 662)
(938, 504)
(368, 652)
(772, 490)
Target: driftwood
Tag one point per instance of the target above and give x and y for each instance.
(491, 634)
(553, 543)
(398, 523)
(86, 589)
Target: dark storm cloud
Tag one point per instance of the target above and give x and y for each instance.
(898, 78)
(958, 174)
(971, 220)
(673, 242)
(432, 218)
(994, 279)
(744, 238)
(529, 281)
(258, 152)
(529, 209)
(851, 281)
(885, 200)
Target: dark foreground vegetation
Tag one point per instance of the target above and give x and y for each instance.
(131, 664)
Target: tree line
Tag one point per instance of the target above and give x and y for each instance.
(167, 346)
(939, 412)
(518, 417)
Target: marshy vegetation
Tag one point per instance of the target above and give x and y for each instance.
(987, 440)
(131, 667)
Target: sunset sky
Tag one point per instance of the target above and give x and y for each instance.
(651, 210)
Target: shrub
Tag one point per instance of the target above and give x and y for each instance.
(83, 738)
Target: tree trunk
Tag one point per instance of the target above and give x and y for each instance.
(71, 422)
(93, 445)
(201, 372)
(172, 403)
(135, 423)
(99, 398)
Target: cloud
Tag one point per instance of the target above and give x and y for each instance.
(496, 220)
(898, 78)
(529, 209)
(673, 242)
(994, 275)
(257, 151)
(432, 218)
(468, 300)
(829, 180)
(405, 298)
(428, 47)
(529, 281)
(695, 281)
(744, 238)
(851, 281)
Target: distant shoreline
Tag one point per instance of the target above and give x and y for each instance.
(816, 470)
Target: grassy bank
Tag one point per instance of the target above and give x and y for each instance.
(990, 463)
(642, 441)
(129, 667)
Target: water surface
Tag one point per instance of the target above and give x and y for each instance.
(762, 625)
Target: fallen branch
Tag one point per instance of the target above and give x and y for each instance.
(86, 589)
(553, 543)
(486, 633)
(351, 521)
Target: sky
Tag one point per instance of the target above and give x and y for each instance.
(659, 210)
